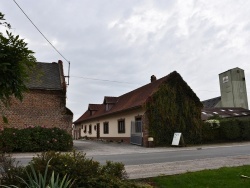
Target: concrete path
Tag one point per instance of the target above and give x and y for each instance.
(171, 168)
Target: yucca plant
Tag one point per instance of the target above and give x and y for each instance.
(37, 180)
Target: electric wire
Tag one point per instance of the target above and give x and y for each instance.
(41, 32)
(69, 61)
(97, 79)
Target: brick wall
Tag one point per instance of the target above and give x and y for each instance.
(39, 108)
(145, 124)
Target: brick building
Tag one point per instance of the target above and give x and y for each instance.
(45, 102)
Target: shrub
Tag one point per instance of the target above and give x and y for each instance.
(210, 133)
(86, 172)
(230, 130)
(9, 169)
(7, 139)
(34, 139)
(114, 169)
(13, 176)
(245, 129)
(75, 164)
(36, 179)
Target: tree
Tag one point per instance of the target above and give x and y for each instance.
(16, 62)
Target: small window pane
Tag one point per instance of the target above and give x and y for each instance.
(105, 128)
(90, 129)
(121, 126)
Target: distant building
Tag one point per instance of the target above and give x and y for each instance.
(45, 102)
(233, 101)
(238, 113)
(233, 91)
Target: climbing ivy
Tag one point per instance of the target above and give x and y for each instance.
(174, 107)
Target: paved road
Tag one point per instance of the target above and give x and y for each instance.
(173, 156)
(145, 162)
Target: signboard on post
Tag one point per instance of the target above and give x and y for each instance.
(177, 139)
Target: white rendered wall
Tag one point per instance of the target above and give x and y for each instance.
(113, 124)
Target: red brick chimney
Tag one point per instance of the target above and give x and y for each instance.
(60, 64)
(153, 78)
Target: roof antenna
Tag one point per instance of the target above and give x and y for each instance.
(68, 73)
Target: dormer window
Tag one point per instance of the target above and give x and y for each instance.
(109, 102)
(109, 106)
(92, 112)
(93, 108)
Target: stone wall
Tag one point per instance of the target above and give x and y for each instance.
(39, 108)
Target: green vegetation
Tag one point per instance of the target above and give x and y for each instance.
(226, 130)
(38, 180)
(16, 62)
(35, 139)
(74, 168)
(174, 108)
(223, 177)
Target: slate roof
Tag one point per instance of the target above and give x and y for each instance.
(224, 112)
(130, 100)
(211, 103)
(45, 76)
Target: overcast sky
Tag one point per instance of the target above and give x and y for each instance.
(127, 41)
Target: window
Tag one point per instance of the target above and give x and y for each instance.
(85, 129)
(109, 106)
(90, 129)
(121, 126)
(106, 128)
(92, 112)
(225, 79)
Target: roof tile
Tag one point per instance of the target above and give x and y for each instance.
(130, 100)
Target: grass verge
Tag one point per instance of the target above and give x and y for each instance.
(229, 177)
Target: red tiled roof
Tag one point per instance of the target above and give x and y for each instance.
(94, 107)
(110, 100)
(130, 100)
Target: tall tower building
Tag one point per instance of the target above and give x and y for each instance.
(233, 88)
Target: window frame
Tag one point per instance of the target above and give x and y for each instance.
(121, 126)
(90, 129)
(105, 127)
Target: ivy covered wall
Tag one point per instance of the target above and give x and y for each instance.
(174, 107)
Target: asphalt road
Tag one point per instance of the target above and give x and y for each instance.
(147, 156)
(173, 156)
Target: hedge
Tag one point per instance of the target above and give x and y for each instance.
(228, 130)
(35, 139)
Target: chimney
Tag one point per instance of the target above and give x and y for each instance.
(62, 77)
(153, 78)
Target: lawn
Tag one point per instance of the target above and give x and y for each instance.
(223, 177)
